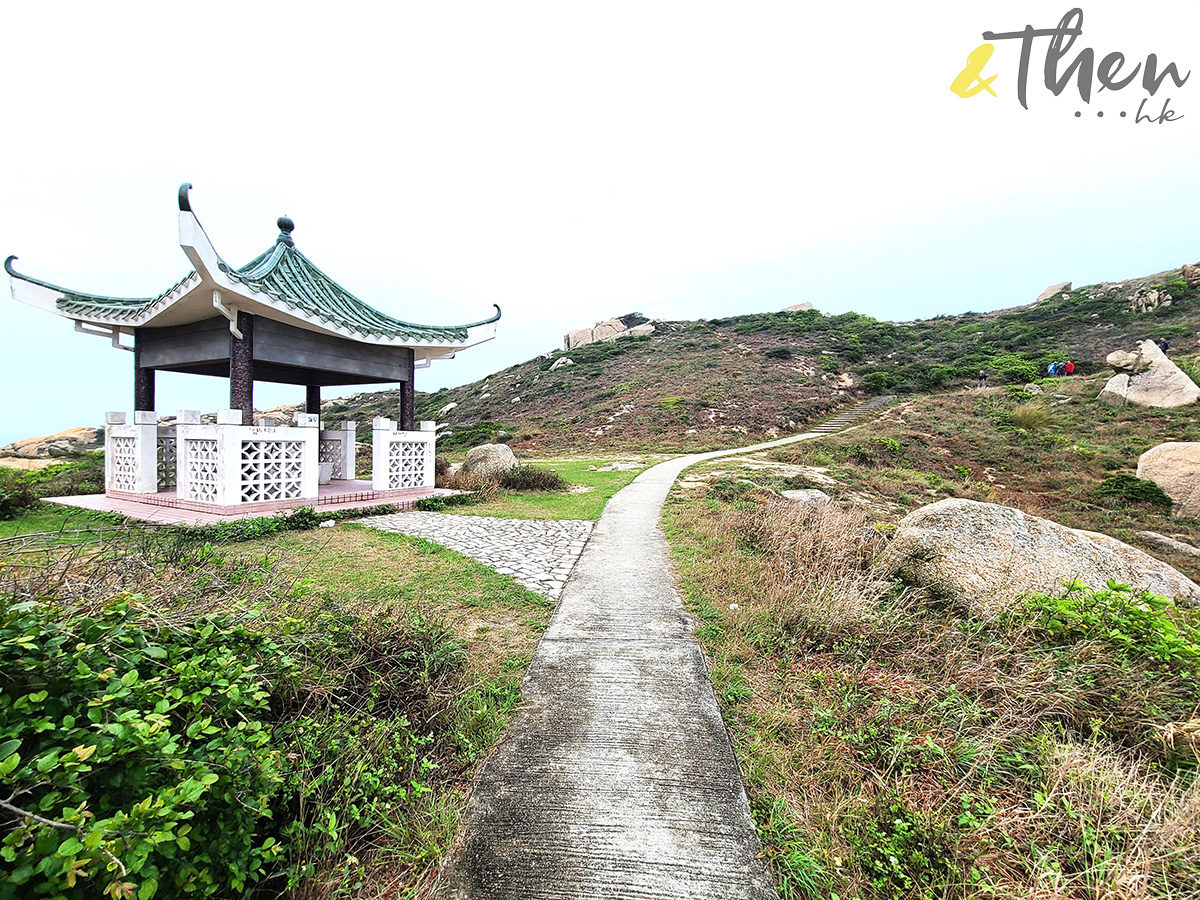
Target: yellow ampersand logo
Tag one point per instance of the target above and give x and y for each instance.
(965, 84)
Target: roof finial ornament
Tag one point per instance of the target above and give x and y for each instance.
(285, 231)
(185, 205)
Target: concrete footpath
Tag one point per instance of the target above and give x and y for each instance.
(616, 777)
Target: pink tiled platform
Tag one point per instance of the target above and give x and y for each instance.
(167, 509)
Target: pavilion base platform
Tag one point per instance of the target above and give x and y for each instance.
(165, 508)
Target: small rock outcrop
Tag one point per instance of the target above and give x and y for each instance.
(1145, 377)
(489, 460)
(797, 307)
(1167, 543)
(1175, 467)
(63, 443)
(1052, 290)
(985, 556)
(561, 363)
(807, 497)
(609, 330)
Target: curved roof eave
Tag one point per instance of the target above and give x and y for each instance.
(264, 287)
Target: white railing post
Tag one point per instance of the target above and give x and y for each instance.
(308, 430)
(382, 430)
(130, 463)
(337, 449)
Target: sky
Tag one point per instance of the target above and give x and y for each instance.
(572, 162)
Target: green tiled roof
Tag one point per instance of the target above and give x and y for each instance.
(286, 275)
(116, 308)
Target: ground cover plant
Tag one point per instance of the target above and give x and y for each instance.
(896, 748)
(299, 713)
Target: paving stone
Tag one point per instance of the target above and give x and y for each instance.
(539, 554)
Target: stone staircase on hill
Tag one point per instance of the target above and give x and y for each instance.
(850, 416)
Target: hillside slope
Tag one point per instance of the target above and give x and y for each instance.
(725, 382)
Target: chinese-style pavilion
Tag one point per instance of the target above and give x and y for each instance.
(279, 319)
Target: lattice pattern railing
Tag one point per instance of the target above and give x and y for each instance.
(406, 464)
(271, 470)
(331, 452)
(166, 453)
(200, 458)
(124, 463)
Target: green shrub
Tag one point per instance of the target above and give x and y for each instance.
(779, 353)
(20, 490)
(1134, 624)
(1012, 369)
(146, 746)
(15, 497)
(1134, 490)
(531, 478)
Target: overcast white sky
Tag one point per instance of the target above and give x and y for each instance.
(572, 162)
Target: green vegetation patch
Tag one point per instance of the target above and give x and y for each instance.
(579, 492)
(182, 716)
(894, 748)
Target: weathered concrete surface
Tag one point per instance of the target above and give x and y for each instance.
(617, 778)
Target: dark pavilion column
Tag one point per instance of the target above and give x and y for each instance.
(241, 368)
(408, 397)
(143, 380)
(312, 399)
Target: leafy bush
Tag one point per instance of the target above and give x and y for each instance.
(134, 743)
(531, 478)
(148, 749)
(779, 353)
(21, 490)
(1013, 369)
(1135, 624)
(1134, 490)
(15, 496)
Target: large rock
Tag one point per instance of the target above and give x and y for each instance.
(63, 443)
(489, 460)
(608, 330)
(1052, 290)
(1145, 377)
(1175, 467)
(985, 556)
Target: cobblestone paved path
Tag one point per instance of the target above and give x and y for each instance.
(539, 554)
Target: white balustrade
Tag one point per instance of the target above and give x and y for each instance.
(401, 459)
(130, 453)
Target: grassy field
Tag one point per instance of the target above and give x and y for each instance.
(46, 517)
(588, 491)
